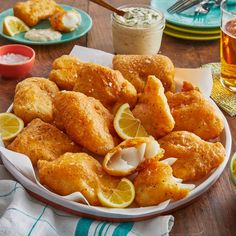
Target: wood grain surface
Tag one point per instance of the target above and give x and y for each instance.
(214, 213)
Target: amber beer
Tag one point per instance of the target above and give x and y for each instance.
(228, 55)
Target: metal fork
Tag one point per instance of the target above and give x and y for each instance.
(182, 5)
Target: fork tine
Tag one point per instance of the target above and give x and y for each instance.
(176, 4)
(186, 6)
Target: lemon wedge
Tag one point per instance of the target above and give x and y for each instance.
(10, 125)
(13, 25)
(120, 197)
(126, 125)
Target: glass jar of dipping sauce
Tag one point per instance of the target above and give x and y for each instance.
(139, 31)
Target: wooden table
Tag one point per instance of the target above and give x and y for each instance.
(214, 213)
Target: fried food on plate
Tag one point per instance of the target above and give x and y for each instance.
(64, 72)
(136, 69)
(153, 110)
(66, 21)
(105, 84)
(129, 155)
(76, 172)
(42, 141)
(33, 11)
(33, 99)
(86, 121)
(196, 157)
(155, 184)
(192, 112)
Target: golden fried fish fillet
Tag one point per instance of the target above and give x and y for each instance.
(105, 84)
(42, 141)
(33, 99)
(33, 11)
(66, 21)
(76, 172)
(136, 69)
(64, 72)
(192, 112)
(155, 184)
(86, 121)
(153, 110)
(196, 157)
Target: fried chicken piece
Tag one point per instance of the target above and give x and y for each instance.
(42, 141)
(136, 69)
(192, 112)
(105, 84)
(196, 157)
(86, 121)
(33, 11)
(76, 172)
(155, 184)
(66, 21)
(153, 110)
(33, 99)
(64, 72)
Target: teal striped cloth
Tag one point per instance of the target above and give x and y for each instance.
(21, 214)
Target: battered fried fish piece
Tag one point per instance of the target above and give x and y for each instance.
(155, 184)
(64, 72)
(66, 21)
(196, 157)
(76, 172)
(86, 121)
(33, 99)
(42, 141)
(192, 112)
(105, 84)
(153, 110)
(136, 69)
(33, 11)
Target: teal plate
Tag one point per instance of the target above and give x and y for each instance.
(191, 36)
(80, 31)
(187, 18)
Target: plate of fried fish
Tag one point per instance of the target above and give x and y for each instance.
(43, 22)
(80, 150)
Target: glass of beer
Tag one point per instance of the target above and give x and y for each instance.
(228, 45)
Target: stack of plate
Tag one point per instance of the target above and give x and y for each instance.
(187, 25)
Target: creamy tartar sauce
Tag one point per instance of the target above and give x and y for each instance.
(138, 16)
(13, 58)
(43, 35)
(139, 31)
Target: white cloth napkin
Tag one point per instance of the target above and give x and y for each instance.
(21, 214)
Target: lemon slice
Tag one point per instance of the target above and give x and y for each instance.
(10, 125)
(13, 25)
(126, 125)
(120, 197)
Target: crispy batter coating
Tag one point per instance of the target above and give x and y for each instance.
(105, 84)
(136, 69)
(76, 172)
(33, 99)
(33, 11)
(196, 157)
(66, 21)
(155, 184)
(86, 121)
(153, 110)
(42, 141)
(192, 112)
(64, 72)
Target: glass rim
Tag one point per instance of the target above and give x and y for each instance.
(161, 20)
(222, 8)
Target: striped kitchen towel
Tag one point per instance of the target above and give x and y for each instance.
(20, 214)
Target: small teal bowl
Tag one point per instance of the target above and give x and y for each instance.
(232, 171)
